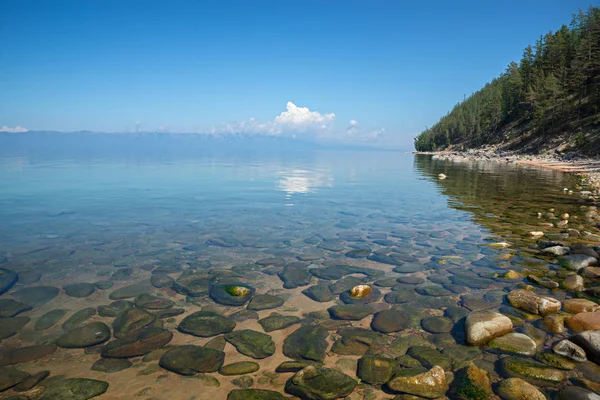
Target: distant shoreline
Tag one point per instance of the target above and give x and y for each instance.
(586, 167)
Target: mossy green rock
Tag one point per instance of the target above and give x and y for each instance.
(515, 343)
(308, 343)
(239, 368)
(151, 302)
(36, 296)
(74, 389)
(429, 357)
(320, 384)
(556, 361)
(295, 366)
(275, 322)
(115, 308)
(254, 394)
(437, 324)
(10, 308)
(10, 377)
(376, 370)
(472, 383)
(49, 319)
(350, 312)
(79, 289)
(429, 384)
(7, 280)
(529, 369)
(132, 320)
(110, 365)
(130, 291)
(252, 343)
(264, 302)
(231, 294)
(206, 324)
(190, 359)
(161, 280)
(78, 318)
(85, 336)
(138, 343)
(388, 321)
(518, 389)
(193, 284)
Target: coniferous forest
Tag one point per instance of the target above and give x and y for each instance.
(551, 96)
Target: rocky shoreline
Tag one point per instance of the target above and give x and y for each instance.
(586, 167)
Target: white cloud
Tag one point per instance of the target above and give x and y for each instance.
(16, 129)
(302, 115)
(301, 122)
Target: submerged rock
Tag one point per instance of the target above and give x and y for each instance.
(472, 383)
(132, 320)
(239, 368)
(110, 365)
(74, 389)
(577, 262)
(10, 308)
(78, 318)
(161, 280)
(7, 280)
(138, 343)
(37, 295)
(231, 295)
(85, 336)
(388, 321)
(529, 369)
(190, 359)
(130, 291)
(275, 322)
(481, 327)
(320, 384)
(429, 384)
(376, 370)
(79, 289)
(294, 277)
(251, 343)
(194, 284)
(351, 312)
(518, 389)
(320, 293)
(10, 377)
(264, 302)
(115, 308)
(254, 394)
(206, 324)
(11, 356)
(308, 343)
(151, 302)
(516, 343)
(10, 326)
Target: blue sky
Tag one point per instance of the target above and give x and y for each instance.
(277, 67)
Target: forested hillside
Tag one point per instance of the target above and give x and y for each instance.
(550, 99)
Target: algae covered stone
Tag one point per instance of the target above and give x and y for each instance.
(376, 370)
(252, 343)
(254, 394)
(190, 359)
(239, 368)
(74, 389)
(320, 384)
(308, 343)
(481, 327)
(85, 336)
(429, 384)
(518, 389)
(472, 383)
(206, 324)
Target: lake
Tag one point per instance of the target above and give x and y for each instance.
(252, 260)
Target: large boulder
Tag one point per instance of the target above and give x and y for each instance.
(533, 303)
(320, 384)
(481, 327)
(430, 384)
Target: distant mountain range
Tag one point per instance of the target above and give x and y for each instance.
(88, 143)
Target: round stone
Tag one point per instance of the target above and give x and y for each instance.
(206, 324)
(190, 359)
(239, 368)
(85, 336)
(79, 289)
(437, 324)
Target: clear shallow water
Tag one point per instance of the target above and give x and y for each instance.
(84, 221)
